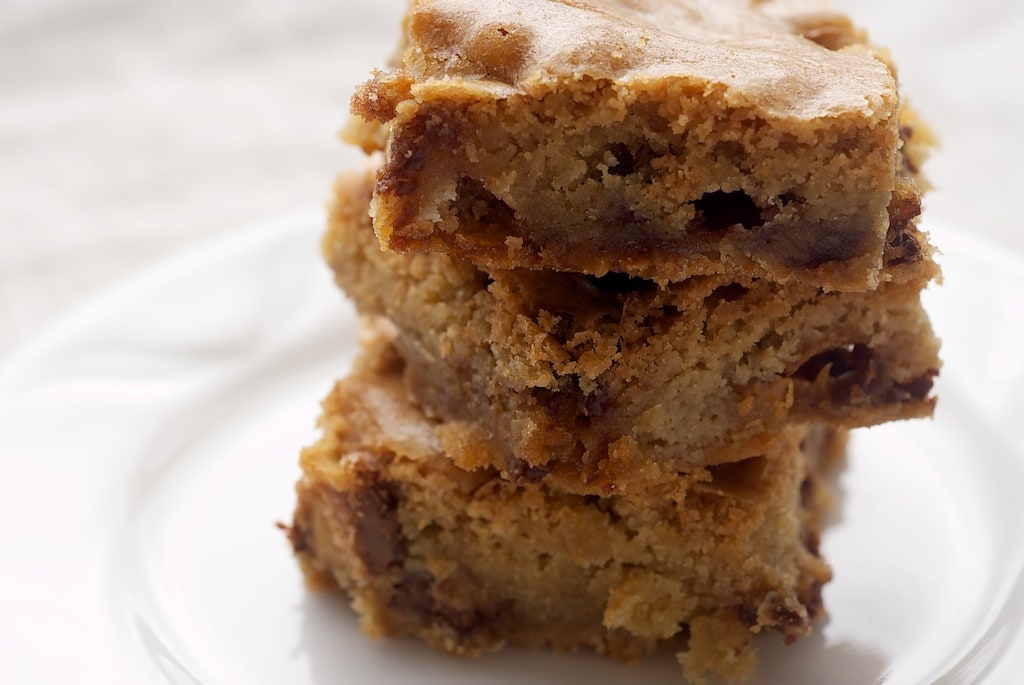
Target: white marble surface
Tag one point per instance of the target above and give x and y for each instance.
(131, 129)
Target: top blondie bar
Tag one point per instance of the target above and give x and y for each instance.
(659, 138)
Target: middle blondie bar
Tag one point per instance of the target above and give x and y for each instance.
(601, 385)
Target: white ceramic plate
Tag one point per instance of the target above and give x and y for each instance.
(149, 443)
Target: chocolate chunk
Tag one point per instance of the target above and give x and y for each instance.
(901, 243)
(811, 245)
(521, 472)
(408, 157)
(845, 240)
(632, 158)
(418, 594)
(913, 390)
(614, 283)
(738, 478)
(401, 176)
(726, 293)
(625, 162)
(573, 296)
(719, 210)
(903, 210)
(787, 618)
(807, 489)
(747, 616)
(377, 533)
(479, 210)
(413, 594)
(468, 621)
(853, 374)
(853, 363)
(683, 636)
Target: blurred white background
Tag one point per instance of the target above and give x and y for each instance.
(129, 130)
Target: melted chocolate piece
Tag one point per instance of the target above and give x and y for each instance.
(913, 390)
(719, 210)
(521, 472)
(810, 245)
(855, 376)
(787, 618)
(850, 369)
(738, 478)
(631, 158)
(409, 156)
(747, 616)
(615, 283)
(400, 178)
(413, 594)
(377, 533)
(468, 621)
(901, 243)
(732, 292)
(625, 161)
(482, 213)
(420, 595)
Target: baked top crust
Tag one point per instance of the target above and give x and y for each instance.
(762, 53)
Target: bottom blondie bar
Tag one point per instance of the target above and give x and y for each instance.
(470, 562)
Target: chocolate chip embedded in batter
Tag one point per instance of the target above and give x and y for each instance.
(521, 472)
(719, 210)
(787, 618)
(476, 619)
(747, 616)
(409, 156)
(814, 244)
(853, 373)
(377, 533)
(413, 594)
(851, 360)
(902, 210)
(401, 178)
(901, 242)
(914, 390)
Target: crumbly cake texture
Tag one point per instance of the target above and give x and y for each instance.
(469, 562)
(659, 138)
(600, 385)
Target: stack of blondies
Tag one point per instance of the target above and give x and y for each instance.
(629, 270)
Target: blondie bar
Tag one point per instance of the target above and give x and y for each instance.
(469, 562)
(603, 384)
(658, 138)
